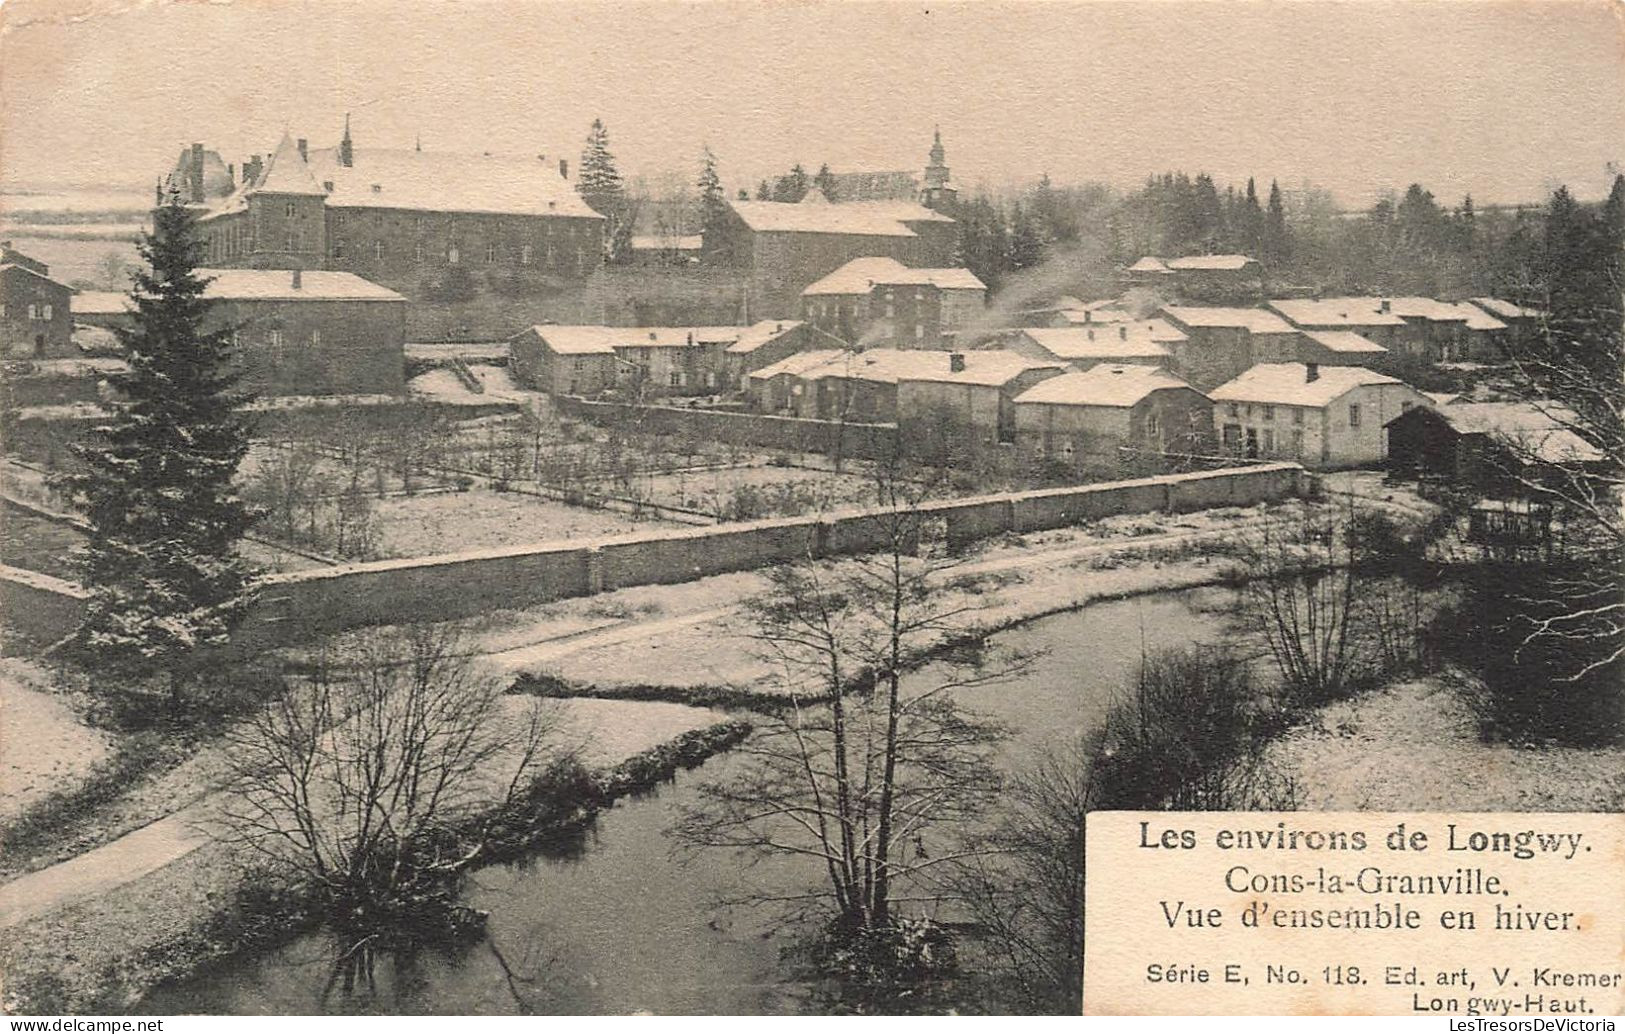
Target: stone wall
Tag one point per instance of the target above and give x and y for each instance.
(300, 606)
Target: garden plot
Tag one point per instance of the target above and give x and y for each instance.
(751, 491)
(425, 525)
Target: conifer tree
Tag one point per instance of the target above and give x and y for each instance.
(155, 481)
(599, 182)
(825, 182)
(713, 208)
(1277, 242)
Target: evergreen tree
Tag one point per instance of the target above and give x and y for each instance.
(825, 182)
(713, 209)
(1277, 238)
(1026, 241)
(792, 187)
(764, 192)
(1253, 222)
(599, 182)
(155, 481)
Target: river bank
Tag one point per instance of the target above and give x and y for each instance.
(103, 954)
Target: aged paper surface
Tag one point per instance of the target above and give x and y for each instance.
(550, 507)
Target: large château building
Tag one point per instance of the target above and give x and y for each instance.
(485, 239)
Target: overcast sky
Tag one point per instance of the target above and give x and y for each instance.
(1501, 99)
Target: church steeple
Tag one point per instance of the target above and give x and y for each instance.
(939, 193)
(346, 150)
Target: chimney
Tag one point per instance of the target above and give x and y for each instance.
(1316, 294)
(1122, 332)
(653, 336)
(1386, 305)
(304, 150)
(195, 173)
(1088, 317)
(956, 362)
(298, 280)
(1311, 372)
(1091, 333)
(564, 168)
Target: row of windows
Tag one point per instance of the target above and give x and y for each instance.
(454, 253)
(36, 311)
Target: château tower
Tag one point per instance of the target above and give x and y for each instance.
(939, 193)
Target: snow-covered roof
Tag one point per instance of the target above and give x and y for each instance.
(30, 271)
(1149, 264)
(798, 363)
(1115, 385)
(1507, 310)
(1288, 384)
(891, 365)
(591, 339)
(1336, 312)
(1255, 321)
(287, 172)
(1536, 427)
(433, 181)
(990, 369)
(861, 274)
(100, 303)
(278, 285)
(1442, 398)
(863, 218)
(758, 334)
(1345, 341)
(1113, 341)
(1226, 262)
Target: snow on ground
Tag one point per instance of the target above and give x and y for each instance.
(43, 745)
(426, 525)
(1414, 747)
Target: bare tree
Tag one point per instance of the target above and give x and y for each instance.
(374, 780)
(873, 772)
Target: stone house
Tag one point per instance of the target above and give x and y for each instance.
(35, 311)
(1090, 418)
(975, 396)
(879, 302)
(1320, 416)
(1145, 342)
(1492, 447)
(1221, 342)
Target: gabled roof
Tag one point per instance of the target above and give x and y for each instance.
(286, 172)
(891, 365)
(1344, 341)
(758, 334)
(861, 218)
(1144, 339)
(861, 274)
(798, 363)
(1117, 386)
(991, 369)
(1149, 264)
(1255, 321)
(11, 256)
(1288, 384)
(1535, 427)
(1228, 262)
(592, 339)
(1507, 310)
(32, 272)
(277, 285)
(434, 181)
(1336, 312)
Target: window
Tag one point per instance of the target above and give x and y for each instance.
(891, 309)
(1297, 416)
(315, 338)
(490, 253)
(526, 254)
(33, 311)
(1235, 410)
(1153, 425)
(677, 378)
(1269, 441)
(453, 255)
(288, 241)
(919, 331)
(378, 251)
(338, 249)
(289, 210)
(1354, 414)
(417, 253)
(1297, 443)
(1403, 406)
(578, 364)
(1269, 412)
(47, 312)
(276, 340)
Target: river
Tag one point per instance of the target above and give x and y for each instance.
(618, 925)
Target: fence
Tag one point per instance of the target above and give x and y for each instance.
(756, 430)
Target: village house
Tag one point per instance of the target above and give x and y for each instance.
(35, 316)
(1493, 447)
(1320, 416)
(863, 387)
(1340, 348)
(975, 395)
(101, 309)
(778, 389)
(1097, 417)
(440, 229)
(1371, 318)
(1217, 278)
(1145, 342)
(653, 361)
(1222, 342)
(311, 332)
(1522, 321)
(879, 301)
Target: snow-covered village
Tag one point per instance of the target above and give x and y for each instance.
(686, 508)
